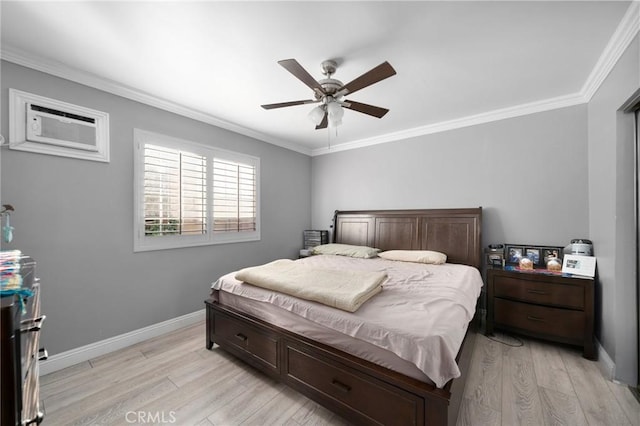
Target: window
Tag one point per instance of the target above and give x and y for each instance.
(175, 189)
(234, 196)
(187, 194)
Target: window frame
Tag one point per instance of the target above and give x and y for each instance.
(142, 242)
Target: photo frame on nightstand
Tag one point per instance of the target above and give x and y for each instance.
(548, 252)
(579, 265)
(514, 253)
(538, 254)
(533, 253)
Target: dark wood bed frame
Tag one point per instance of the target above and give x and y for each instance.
(356, 389)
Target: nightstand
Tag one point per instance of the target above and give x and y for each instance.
(552, 307)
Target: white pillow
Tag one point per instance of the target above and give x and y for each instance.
(417, 256)
(346, 250)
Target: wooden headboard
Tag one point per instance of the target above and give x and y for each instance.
(455, 232)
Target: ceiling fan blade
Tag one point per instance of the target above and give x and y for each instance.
(301, 74)
(324, 123)
(365, 108)
(288, 104)
(379, 73)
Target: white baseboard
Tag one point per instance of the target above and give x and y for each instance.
(605, 363)
(84, 353)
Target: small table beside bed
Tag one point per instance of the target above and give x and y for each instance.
(395, 353)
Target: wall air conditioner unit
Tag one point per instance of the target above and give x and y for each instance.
(56, 127)
(48, 126)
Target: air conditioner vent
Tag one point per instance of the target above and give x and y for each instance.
(35, 107)
(49, 126)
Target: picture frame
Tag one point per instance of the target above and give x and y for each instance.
(550, 252)
(539, 254)
(533, 253)
(579, 265)
(514, 253)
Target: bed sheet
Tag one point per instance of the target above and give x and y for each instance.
(421, 315)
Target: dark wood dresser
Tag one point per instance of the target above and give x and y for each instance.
(552, 307)
(20, 324)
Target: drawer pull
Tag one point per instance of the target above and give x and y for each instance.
(37, 419)
(341, 386)
(33, 320)
(34, 324)
(43, 354)
(241, 337)
(536, 291)
(529, 317)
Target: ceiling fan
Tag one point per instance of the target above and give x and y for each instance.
(329, 92)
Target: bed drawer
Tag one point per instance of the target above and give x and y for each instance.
(369, 399)
(251, 343)
(543, 293)
(542, 320)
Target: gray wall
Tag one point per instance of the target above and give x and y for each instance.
(75, 218)
(611, 209)
(528, 173)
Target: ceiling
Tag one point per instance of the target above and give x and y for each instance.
(217, 61)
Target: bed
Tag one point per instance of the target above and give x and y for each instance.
(363, 386)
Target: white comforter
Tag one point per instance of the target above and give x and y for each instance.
(421, 314)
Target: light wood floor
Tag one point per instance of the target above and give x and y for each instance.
(175, 380)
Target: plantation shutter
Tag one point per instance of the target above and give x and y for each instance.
(234, 196)
(175, 192)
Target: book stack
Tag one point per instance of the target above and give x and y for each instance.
(314, 238)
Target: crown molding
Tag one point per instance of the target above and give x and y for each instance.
(623, 36)
(458, 123)
(63, 71)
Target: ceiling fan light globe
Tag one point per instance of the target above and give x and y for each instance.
(335, 111)
(316, 115)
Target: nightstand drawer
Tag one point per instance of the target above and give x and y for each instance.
(563, 323)
(563, 295)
